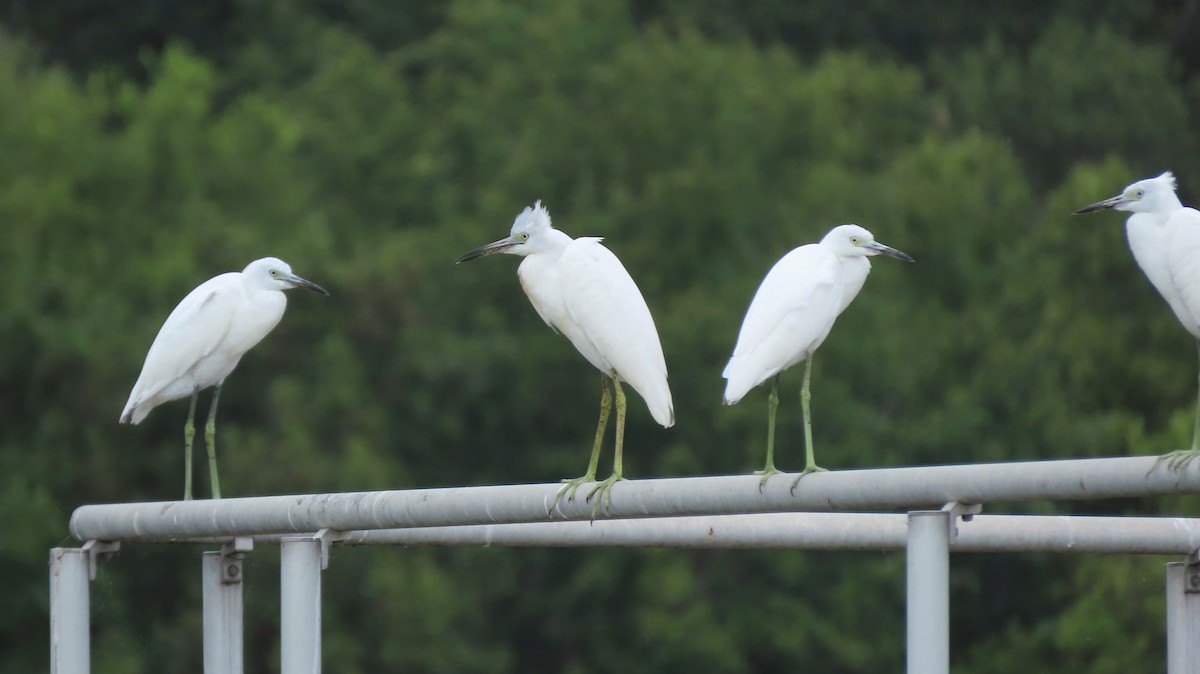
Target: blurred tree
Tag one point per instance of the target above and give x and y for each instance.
(1058, 109)
(149, 147)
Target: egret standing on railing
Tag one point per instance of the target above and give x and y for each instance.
(583, 291)
(790, 316)
(202, 341)
(1164, 236)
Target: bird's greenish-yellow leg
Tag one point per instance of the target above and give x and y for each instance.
(1180, 458)
(189, 433)
(772, 407)
(603, 490)
(810, 464)
(1196, 430)
(210, 438)
(572, 485)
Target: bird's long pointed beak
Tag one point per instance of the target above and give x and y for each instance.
(882, 249)
(499, 246)
(1111, 202)
(298, 282)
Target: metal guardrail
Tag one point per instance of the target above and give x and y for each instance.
(718, 512)
(814, 531)
(848, 490)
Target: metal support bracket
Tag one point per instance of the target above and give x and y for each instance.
(232, 554)
(1191, 573)
(93, 549)
(327, 537)
(967, 511)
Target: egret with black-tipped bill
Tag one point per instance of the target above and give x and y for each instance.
(582, 290)
(1164, 236)
(202, 341)
(792, 314)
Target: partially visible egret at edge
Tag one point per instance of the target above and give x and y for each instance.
(792, 314)
(1164, 236)
(582, 290)
(202, 341)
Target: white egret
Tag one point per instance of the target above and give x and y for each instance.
(790, 316)
(202, 341)
(1164, 236)
(582, 290)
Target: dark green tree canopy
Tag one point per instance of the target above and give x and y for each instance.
(151, 145)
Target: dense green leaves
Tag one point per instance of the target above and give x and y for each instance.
(368, 144)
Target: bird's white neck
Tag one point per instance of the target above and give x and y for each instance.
(854, 275)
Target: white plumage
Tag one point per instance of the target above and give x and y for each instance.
(206, 335)
(794, 310)
(582, 290)
(790, 316)
(1164, 236)
(610, 320)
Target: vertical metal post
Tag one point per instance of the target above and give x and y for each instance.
(1183, 618)
(300, 602)
(928, 617)
(70, 606)
(221, 576)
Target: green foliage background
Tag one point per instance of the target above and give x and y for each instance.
(147, 146)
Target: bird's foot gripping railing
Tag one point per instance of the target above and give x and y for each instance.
(703, 512)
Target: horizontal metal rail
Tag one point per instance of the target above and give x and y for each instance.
(864, 532)
(849, 490)
(817, 531)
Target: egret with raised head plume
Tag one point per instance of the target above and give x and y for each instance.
(582, 290)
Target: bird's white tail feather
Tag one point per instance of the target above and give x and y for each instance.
(134, 413)
(741, 378)
(736, 388)
(657, 395)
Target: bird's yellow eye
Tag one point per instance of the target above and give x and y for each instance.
(523, 236)
(275, 273)
(1139, 193)
(855, 240)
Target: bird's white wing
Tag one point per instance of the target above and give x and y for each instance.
(610, 312)
(1183, 261)
(193, 330)
(789, 317)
